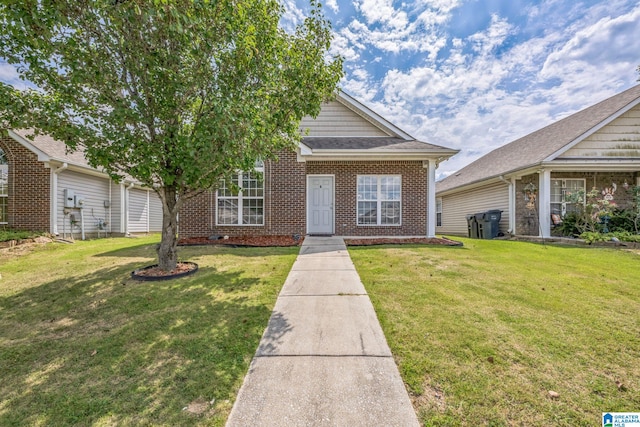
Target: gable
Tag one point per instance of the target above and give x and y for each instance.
(618, 139)
(335, 119)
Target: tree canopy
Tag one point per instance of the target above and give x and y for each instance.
(174, 93)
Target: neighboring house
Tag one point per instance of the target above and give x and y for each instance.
(354, 174)
(531, 179)
(45, 188)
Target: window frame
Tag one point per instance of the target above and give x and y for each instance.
(378, 200)
(438, 211)
(241, 197)
(563, 191)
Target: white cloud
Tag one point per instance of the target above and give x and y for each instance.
(333, 5)
(476, 100)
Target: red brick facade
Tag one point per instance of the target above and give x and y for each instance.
(29, 188)
(285, 206)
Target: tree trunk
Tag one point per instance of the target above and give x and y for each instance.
(167, 250)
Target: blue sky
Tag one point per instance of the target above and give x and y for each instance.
(476, 74)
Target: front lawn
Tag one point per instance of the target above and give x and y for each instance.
(483, 333)
(83, 344)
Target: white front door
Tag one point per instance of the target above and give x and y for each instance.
(320, 204)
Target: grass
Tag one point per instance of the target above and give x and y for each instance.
(482, 333)
(83, 344)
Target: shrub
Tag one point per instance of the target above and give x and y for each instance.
(6, 235)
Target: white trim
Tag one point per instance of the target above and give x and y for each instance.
(431, 198)
(379, 201)
(240, 197)
(544, 203)
(333, 200)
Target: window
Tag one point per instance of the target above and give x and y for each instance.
(241, 201)
(439, 212)
(561, 190)
(4, 188)
(379, 200)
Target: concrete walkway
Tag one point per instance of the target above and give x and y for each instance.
(323, 359)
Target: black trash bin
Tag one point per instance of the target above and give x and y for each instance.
(488, 224)
(472, 226)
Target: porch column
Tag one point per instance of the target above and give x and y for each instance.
(544, 203)
(431, 198)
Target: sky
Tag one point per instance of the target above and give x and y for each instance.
(476, 74)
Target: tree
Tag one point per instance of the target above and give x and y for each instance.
(176, 94)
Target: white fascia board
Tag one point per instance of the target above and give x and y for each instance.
(42, 156)
(304, 149)
(595, 165)
(593, 130)
(372, 116)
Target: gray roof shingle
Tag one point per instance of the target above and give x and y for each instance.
(371, 143)
(55, 149)
(532, 149)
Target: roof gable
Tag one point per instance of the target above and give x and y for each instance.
(544, 144)
(618, 139)
(346, 117)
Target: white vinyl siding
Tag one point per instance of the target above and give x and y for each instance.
(379, 200)
(94, 191)
(456, 207)
(138, 211)
(335, 119)
(155, 212)
(618, 139)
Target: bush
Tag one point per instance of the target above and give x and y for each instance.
(569, 225)
(6, 235)
(623, 236)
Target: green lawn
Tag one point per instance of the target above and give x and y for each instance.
(482, 333)
(81, 343)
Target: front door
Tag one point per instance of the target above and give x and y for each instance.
(320, 204)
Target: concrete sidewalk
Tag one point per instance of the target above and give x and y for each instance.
(323, 359)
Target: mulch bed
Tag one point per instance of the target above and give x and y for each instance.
(249, 241)
(402, 241)
(266, 241)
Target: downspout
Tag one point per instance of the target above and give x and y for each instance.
(54, 198)
(512, 207)
(127, 209)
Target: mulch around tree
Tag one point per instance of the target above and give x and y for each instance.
(295, 240)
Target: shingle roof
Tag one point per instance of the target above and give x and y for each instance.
(56, 150)
(532, 149)
(370, 143)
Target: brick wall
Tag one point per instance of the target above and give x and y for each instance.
(526, 219)
(414, 195)
(285, 200)
(29, 188)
